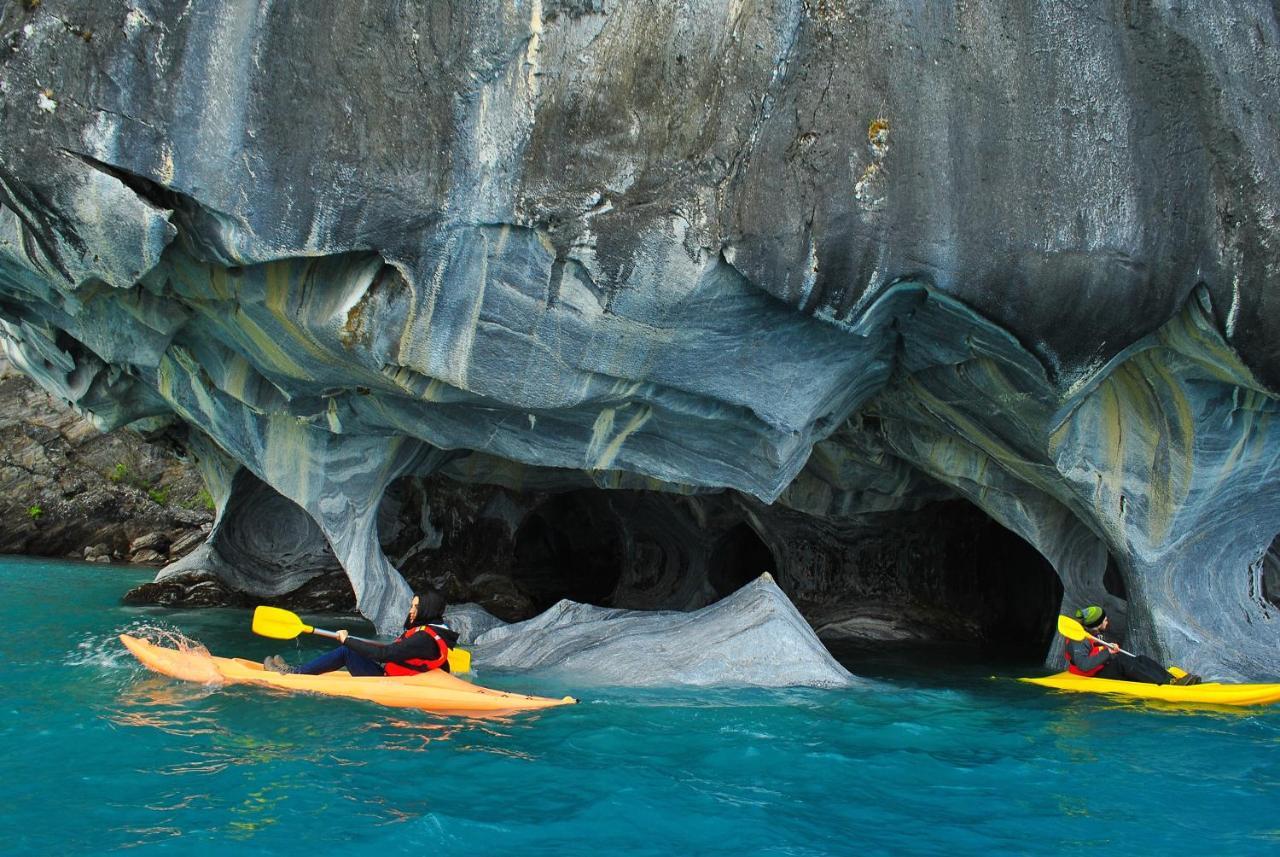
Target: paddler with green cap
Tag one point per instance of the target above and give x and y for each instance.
(1101, 659)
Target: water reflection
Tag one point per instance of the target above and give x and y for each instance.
(258, 810)
(169, 810)
(182, 802)
(163, 704)
(243, 750)
(409, 736)
(150, 835)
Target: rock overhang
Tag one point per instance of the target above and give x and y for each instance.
(794, 290)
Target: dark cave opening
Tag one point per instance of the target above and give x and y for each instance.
(569, 547)
(1270, 577)
(739, 557)
(942, 590)
(1014, 593)
(270, 538)
(1113, 582)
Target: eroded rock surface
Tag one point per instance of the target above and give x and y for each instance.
(753, 637)
(833, 259)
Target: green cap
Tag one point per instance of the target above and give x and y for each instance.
(1091, 616)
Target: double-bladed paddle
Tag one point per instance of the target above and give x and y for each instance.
(279, 624)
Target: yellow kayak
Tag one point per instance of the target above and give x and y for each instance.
(435, 691)
(1211, 693)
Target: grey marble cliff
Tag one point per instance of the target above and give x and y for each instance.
(817, 264)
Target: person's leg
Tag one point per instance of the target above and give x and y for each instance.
(358, 664)
(1142, 668)
(336, 659)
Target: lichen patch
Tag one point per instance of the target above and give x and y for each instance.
(878, 137)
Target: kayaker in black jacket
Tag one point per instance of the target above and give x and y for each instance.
(423, 646)
(1103, 659)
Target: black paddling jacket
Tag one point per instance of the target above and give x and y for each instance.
(407, 647)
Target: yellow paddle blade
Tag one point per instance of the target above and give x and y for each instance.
(1071, 629)
(459, 661)
(278, 624)
(1177, 672)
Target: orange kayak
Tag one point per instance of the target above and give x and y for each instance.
(435, 691)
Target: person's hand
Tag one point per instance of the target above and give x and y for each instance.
(1111, 647)
(342, 636)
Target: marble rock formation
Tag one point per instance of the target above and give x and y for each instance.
(754, 636)
(833, 259)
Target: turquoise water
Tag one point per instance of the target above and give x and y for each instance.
(100, 756)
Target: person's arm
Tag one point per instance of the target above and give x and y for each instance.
(1082, 659)
(418, 646)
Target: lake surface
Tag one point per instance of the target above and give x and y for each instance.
(99, 756)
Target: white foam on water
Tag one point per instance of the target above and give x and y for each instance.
(106, 652)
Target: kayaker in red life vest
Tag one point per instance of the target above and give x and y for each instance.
(423, 646)
(1105, 660)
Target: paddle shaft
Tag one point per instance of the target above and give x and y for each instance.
(1073, 630)
(333, 635)
(1103, 642)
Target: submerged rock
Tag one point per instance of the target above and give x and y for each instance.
(753, 637)
(470, 621)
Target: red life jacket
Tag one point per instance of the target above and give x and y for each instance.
(1094, 648)
(413, 666)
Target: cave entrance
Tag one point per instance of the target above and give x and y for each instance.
(941, 593)
(1269, 576)
(273, 544)
(569, 547)
(739, 557)
(1014, 593)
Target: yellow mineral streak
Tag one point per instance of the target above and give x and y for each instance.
(416, 384)
(1176, 444)
(222, 285)
(614, 446)
(604, 446)
(179, 366)
(535, 45)
(280, 279)
(268, 350)
(415, 334)
(166, 171)
(975, 434)
(237, 379)
(600, 432)
(286, 456)
(462, 353)
(1109, 429)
